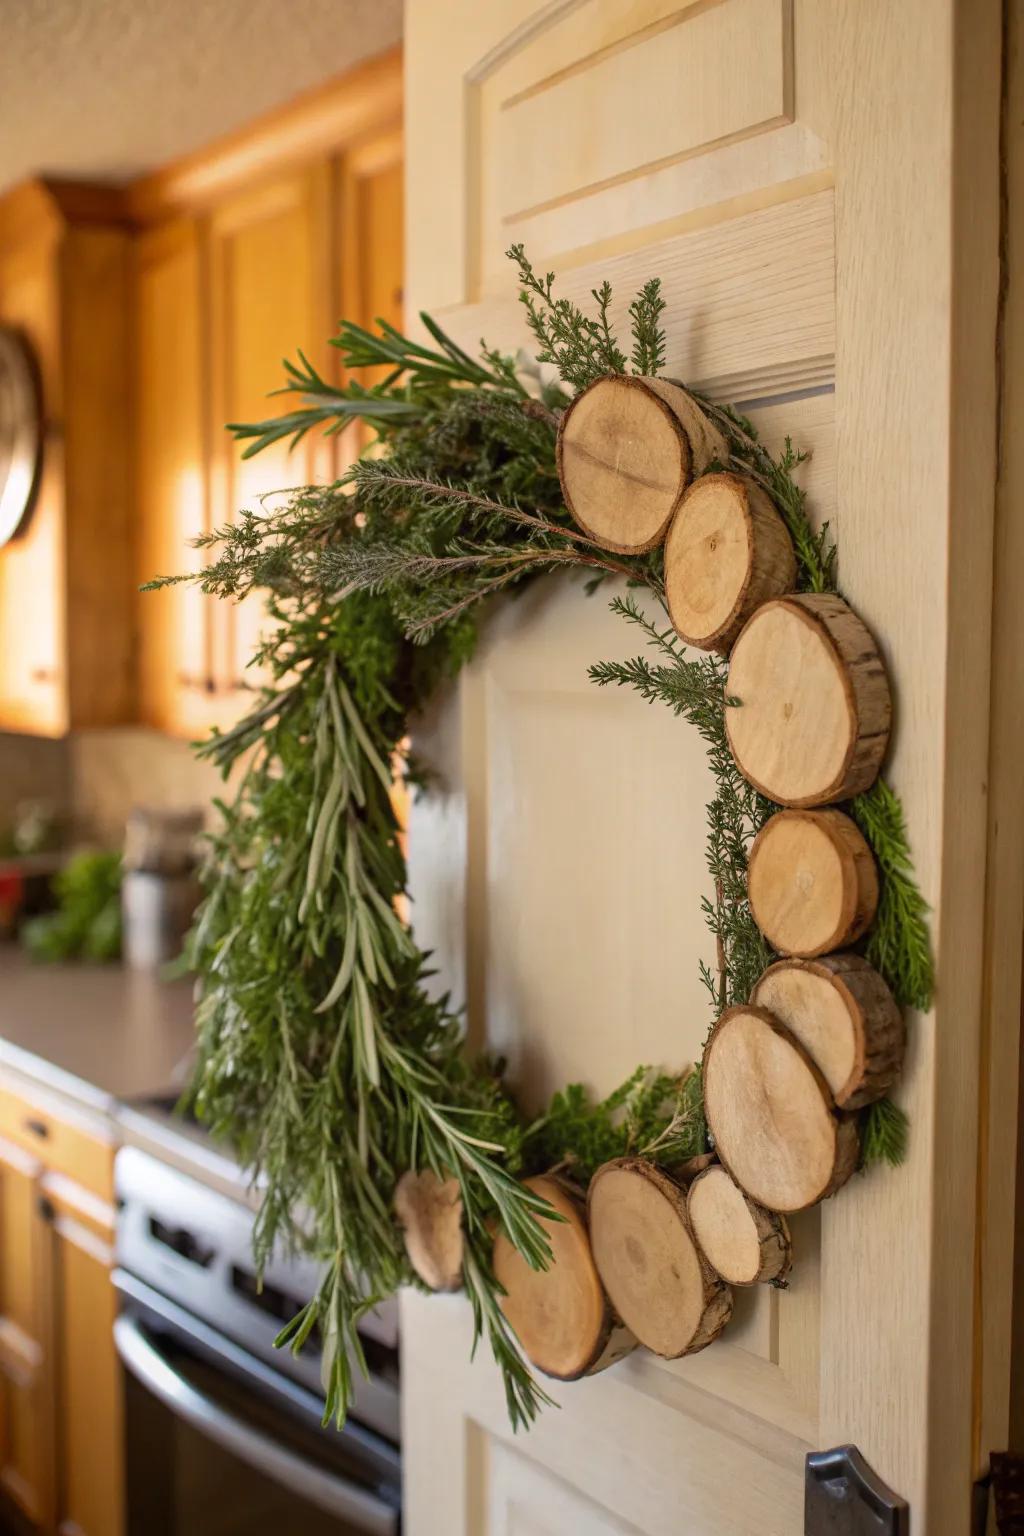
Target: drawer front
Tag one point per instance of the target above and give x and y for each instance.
(59, 1142)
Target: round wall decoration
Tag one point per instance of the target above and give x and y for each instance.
(21, 433)
(384, 1148)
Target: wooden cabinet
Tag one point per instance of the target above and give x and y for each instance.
(158, 314)
(269, 296)
(65, 578)
(61, 1428)
(25, 1432)
(89, 1433)
(232, 282)
(177, 686)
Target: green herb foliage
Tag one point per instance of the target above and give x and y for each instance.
(86, 924)
(651, 1114)
(324, 1056)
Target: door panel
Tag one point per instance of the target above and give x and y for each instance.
(751, 300)
(634, 1449)
(577, 950)
(802, 229)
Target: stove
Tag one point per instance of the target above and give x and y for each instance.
(223, 1430)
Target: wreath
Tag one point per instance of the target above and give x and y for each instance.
(342, 1081)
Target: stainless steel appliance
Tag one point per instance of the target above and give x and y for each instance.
(223, 1431)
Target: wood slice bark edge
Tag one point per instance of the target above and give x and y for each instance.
(842, 1012)
(741, 1240)
(727, 551)
(651, 1267)
(811, 882)
(814, 711)
(771, 1113)
(561, 1316)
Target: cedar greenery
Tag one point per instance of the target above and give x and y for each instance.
(323, 1055)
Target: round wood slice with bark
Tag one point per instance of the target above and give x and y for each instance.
(811, 882)
(429, 1211)
(627, 449)
(813, 712)
(727, 552)
(743, 1242)
(560, 1315)
(653, 1271)
(771, 1113)
(845, 1017)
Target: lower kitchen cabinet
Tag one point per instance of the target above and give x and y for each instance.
(89, 1428)
(61, 1420)
(25, 1429)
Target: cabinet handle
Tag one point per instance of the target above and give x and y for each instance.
(37, 1128)
(47, 1209)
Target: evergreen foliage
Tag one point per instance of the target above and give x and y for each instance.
(651, 1114)
(323, 1055)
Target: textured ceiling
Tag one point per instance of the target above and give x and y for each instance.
(108, 89)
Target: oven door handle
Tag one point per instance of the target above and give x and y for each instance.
(364, 1512)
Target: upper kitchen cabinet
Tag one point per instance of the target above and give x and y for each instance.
(249, 251)
(177, 690)
(270, 292)
(369, 210)
(66, 606)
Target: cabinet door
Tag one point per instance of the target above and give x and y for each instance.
(90, 1432)
(175, 624)
(369, 221)
(25, 1400)
(269, 295)
(33, 686)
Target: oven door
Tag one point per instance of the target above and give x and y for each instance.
(218, 1443)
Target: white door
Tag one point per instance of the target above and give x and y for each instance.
(815, 181)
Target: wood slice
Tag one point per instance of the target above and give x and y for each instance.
(684, 1173)
(429, 1211)
(742, 1242)
(560, 1315)
(770, 1112)
(812, 724)
(845, 1017)
(652, 1269)
(812, 882)
(727, 552)
(627, 448)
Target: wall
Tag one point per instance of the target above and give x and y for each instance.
(109, 772)
(32, 768)
(96, 777)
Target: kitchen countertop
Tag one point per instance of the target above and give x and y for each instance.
(98, 1034)
(115, 1044)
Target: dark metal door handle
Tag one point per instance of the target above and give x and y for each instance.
(844, 1497)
